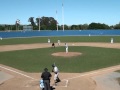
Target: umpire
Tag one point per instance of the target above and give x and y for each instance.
(46, 76)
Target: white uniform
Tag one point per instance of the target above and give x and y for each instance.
(66, 46)
(111, 40)
(48, 40)
(56, 71)
(58, 42)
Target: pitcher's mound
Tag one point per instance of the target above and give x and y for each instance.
(64, 54)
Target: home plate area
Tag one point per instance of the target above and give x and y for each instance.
(63, 83)
(34, 83)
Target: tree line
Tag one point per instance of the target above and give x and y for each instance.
(49, 23)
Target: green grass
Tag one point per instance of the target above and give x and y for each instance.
(63, 39)
(35, 60)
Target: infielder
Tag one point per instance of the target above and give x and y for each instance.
(48, 40)
(111, 40)
(53, 45)
(0, 38)
(58, 42)
(66, 46)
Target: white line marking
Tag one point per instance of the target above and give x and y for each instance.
(94, 72)
(66, 83)
(17, 72)
(89, 73)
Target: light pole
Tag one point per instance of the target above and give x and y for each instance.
(17, 24)
(39, 23)
(56, 20)
(63, 15)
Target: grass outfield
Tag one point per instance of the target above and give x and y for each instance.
(35, 60)
(62, 39)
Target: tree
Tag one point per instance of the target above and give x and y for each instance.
(85, 26)
(43, 27)
(117, 26)
(52, 23)
(1, 27)
(98, 26)
(73, 27)
(66, 27)
(31, 19)
(48, 23)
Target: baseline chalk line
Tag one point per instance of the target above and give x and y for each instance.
(17, 72)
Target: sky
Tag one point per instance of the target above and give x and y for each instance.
(73, 12)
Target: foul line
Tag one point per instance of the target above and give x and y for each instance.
(90, 73)
(17, 72)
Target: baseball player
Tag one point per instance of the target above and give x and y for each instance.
(58, 42)
(66, 46)
(41, 84)
(53, 44)
(0, 38)
(48, 40)
(56, 73)
(111, 40)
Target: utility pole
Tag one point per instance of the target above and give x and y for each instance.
(17, 24)
(39, 23)
(63, 15)
(56, 20)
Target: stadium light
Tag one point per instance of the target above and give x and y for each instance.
(39, 23)
(56, 20)
(17, 24)
(63, 15)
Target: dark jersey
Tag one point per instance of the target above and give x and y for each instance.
(46, 75)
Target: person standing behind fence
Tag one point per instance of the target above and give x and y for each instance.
(46, 76)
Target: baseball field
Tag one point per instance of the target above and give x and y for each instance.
(25, 59)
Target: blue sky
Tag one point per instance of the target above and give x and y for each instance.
(75, 11)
